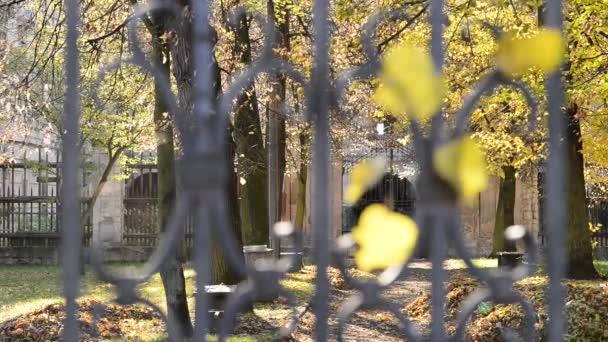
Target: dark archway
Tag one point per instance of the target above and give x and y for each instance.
(144, 185)
(399, 193)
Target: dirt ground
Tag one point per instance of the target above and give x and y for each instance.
(372, 324)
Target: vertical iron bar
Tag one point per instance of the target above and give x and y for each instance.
(273, 173)
(12, 205)
(438, 241)
(53, 212)
(24, 174)
(202, 99)
(41, 226)
(556, 214)
(5, 228)
(70, 194)
(19, 208)
(321, 161)
(32, 211)
(142, 184)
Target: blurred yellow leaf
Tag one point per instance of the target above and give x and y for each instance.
(363, 176)
(462, 164)
(385, 238)
(409, 83)
(543, 50)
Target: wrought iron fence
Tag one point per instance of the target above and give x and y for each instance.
(597, 211)
(202, 168)
(29, 202)
(140, 205)
(598, 218)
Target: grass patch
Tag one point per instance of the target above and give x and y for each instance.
(601, 267)
(25, 288)
(28, 288)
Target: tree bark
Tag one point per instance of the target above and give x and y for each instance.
(505, 212)
(183, 72)
(222, 272)
(251, 152)
(580, 251)
(278, 91)
(172, 272)
(578, 240)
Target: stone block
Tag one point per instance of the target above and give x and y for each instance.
(256, 252)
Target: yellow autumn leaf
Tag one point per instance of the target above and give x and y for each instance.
(544, 50)
(385, 238)
(462, 164)
(363, 176)
(409, 83)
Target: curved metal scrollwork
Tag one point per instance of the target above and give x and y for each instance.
(203, 166)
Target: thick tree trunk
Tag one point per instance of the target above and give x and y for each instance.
(580, 251)
(182, 70)
(578, 240)
(172, 272)
(251, 152)
(222, 273)
(505, 212)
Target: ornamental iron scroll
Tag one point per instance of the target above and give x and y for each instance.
(203, 166)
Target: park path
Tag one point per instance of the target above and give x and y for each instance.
(374, 325)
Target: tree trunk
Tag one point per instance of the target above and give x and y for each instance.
(172, 272)
(578, 240)
(251, 152)
(580, 251)
(505, 212)
(278, 91)
(222, 273)
(183, 71)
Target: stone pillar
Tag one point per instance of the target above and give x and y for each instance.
(108, 210)
(526, 203)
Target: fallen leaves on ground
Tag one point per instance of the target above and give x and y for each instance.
(586, 309)
(96, 322)
(337, 281)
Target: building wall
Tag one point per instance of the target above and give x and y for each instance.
(480, 217)
(335, 202)
(527, 210)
